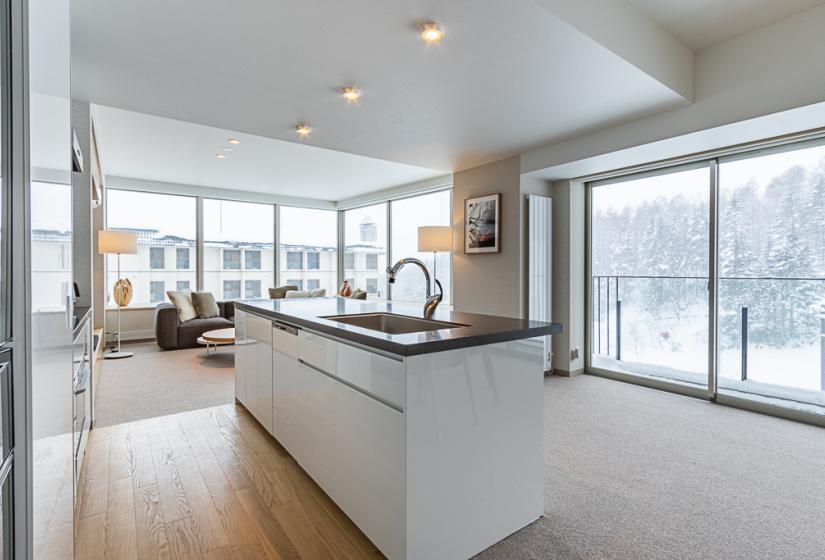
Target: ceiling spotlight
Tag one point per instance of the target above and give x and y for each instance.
(220, 156)
(234, 141)
(431, 32)
(350, 93)
(303, 130)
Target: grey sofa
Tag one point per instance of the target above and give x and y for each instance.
(171, 334)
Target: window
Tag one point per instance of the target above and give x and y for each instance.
(252, 289)
(650, 264)
(349, 261)
(650, 259)
(156, 258)
(771, 339)
(157, 291)
(296, 282)
(231, 259)
(252, 259)
(314, 232)
(313, 284)
(182, 285)
(231, 228)
(408, 215)
(294, 260)
(365, 233)
(231, 289)
(182, 258)
(160, 221)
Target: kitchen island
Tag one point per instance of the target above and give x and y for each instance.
(427, 433)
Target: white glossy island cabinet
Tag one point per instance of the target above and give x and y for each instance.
(435, 455)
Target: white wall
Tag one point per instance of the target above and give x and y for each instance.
(763, 72)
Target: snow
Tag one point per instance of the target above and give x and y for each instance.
(650, 241)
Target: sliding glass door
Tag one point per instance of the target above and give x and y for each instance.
(649, 276)
(772, 278)
(752, 327)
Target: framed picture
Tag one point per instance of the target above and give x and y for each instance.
(481, 224)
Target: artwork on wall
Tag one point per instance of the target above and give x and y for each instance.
(481, 224)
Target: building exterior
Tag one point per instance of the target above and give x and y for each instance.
(232, 270)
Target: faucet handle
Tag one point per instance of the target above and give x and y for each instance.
(440, 293)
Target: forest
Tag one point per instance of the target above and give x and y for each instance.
(771, 257)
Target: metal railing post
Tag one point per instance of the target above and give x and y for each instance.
(618, 329)
(822, 352)
(744, 374)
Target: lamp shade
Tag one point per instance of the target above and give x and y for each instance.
(112, 241)
(435, 238)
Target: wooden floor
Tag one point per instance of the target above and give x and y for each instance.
(208, 484)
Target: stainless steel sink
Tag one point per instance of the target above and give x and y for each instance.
(390, 323)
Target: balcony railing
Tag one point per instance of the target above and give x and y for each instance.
(770, 329)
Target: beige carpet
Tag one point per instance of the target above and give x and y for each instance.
(156, 382)
(634, 473)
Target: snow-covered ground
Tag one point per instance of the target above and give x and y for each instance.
(676, 348)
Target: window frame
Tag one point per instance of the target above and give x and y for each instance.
(183, 251)
(226, 282)
(152, 285)
(153, 251)
(289, 265)
(226, 252)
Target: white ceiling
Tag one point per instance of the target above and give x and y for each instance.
(509, 76)
(154, 148)
(702, 23)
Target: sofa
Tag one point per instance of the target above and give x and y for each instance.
(171, 334)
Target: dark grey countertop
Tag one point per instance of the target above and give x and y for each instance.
(480, 329)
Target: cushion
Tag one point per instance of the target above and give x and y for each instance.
(294, 294)
(280, 292)
(205, 305)
(182, 300)
(359, 294)
(320, 292)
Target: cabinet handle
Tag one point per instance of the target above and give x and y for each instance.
(354, 387)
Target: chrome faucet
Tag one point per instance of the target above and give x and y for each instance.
(432, 301)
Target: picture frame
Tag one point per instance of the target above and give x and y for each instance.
(482, 224)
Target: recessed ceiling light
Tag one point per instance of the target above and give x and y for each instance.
(431, 32)
(234, 141)
(220, 156)
(303, 130)
(351, 93)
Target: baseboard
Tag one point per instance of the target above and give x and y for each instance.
(565, 373)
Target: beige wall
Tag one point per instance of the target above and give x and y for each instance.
(489, 283)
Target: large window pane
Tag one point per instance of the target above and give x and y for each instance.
(238, 246)
(407, 216)
(365, 238)
(309, 248)
(772, 278)
(649, 300)
(164, 223)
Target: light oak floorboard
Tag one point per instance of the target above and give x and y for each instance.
(208, 484)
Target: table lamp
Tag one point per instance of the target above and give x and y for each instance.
(115, 242)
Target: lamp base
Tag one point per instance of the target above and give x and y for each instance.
(114, 355)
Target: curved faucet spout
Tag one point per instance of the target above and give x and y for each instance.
(432, 301)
